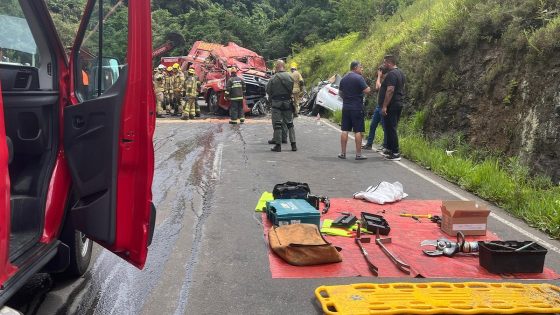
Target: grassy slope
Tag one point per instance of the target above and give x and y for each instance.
(417, 34)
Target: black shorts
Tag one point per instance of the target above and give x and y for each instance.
(353, 120)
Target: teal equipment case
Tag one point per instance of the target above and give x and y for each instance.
(292, 211)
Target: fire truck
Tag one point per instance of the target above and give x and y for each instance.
(76, 142)
(211, 62)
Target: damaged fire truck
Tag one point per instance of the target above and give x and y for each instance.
(211, 61)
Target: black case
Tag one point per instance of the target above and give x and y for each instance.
(498, 260)
(372, 222)
(291, 190)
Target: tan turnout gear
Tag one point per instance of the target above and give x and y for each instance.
(297, 92)
(178, 81)
(168, 90)
(191, 84)
(159, 89)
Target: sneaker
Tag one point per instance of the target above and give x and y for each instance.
(380, 149)
(366, 147)
(361, 157)
(386, 152)
(342, 156)
(393, 157)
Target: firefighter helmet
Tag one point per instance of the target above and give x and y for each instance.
(161, 67)
(170, 68)
(233, 69)
(176, 66)
(191, 71)
(293, 65)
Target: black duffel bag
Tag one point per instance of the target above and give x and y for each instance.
(291, 190)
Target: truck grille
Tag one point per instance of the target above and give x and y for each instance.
(254, 80)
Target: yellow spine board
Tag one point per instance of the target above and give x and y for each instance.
(439, 298)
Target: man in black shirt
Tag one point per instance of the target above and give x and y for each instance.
(391, 96)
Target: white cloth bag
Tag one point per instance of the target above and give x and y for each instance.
(383, 193)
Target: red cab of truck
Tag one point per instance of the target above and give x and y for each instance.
(211, 61)
(76, 151)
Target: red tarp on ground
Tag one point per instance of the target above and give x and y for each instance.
(406, 235)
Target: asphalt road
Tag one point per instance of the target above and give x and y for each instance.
(208, 254)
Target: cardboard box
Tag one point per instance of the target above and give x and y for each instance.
(465, 216)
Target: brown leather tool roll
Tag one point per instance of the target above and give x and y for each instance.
(302, 245)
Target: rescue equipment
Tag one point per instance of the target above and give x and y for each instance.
(374, 223)
(358, 239)
(291, 190)
(512, 257)
(302, 245)
(292, 211)
(445, 247)
(439, 298)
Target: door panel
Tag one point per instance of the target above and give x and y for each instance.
(5, 268)
(109, 130)
(91, 141)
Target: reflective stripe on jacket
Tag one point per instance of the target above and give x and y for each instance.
(235, 88)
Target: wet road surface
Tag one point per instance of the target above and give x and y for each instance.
(208, 254)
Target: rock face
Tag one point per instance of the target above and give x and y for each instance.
(503, 105)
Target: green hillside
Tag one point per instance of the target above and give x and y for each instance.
(483, 80)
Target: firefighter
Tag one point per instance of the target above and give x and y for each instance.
(191, 93)
(168, 94)
(159, 89)
(297, 93)
(178, 80)
(235, 92)
(279, 89)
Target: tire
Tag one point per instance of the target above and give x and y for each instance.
(80, 250)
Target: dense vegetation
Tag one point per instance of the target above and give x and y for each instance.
(274, 28)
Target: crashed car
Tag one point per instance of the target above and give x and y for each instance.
(328, 96)
(323, 96)
(76, 141)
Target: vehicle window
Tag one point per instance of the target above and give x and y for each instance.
(101, 57)
(17, 44)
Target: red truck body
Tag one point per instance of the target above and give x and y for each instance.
(211, 61)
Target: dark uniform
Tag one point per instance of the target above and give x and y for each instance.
(235, 91)
(279, 89)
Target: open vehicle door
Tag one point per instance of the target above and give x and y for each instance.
(109, 126)
(5, 151)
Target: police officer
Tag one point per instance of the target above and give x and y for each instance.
(191, 93)
(297, 92)
(178, 89)
(235, 92)
(279, 90)
(159, 88)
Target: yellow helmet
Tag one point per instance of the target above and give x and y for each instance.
(294, 65)
(169, 68)
(191, 71)
(176, 66)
